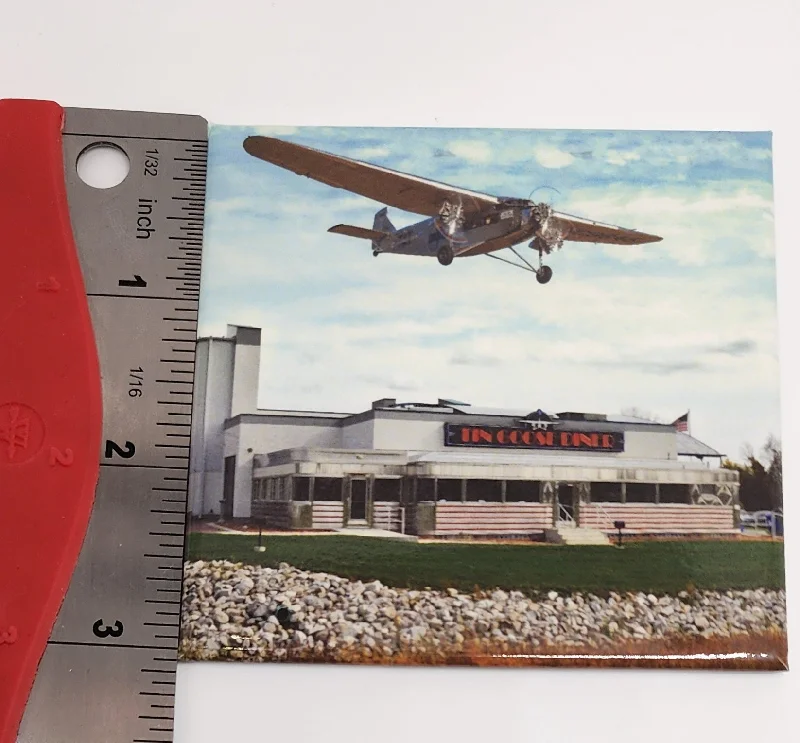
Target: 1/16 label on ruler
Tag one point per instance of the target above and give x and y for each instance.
(147, 379)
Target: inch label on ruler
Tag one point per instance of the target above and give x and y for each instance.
(108, 673)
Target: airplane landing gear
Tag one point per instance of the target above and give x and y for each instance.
(375, 253)
(544, 274)
(445, 255)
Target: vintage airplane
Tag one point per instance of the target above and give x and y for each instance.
(460, 222)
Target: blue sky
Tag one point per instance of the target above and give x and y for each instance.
(687, 323)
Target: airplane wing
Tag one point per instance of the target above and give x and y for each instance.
(399, 190)
(567, 227)
(582, 230)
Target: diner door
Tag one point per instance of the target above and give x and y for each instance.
(566, 503)
(228, 481)
(358, 501)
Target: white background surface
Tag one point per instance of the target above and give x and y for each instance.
(573, 63)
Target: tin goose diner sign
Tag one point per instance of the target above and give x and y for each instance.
(510, 437)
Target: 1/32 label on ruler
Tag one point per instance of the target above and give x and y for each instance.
(145, 236)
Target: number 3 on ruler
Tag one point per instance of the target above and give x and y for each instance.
(101, 629)
(113, 448)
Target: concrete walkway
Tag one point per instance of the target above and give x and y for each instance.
(355, 531)
(379, 533)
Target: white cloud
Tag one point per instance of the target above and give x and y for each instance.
(275, 131)
(697, 224)
(367, 153)
(617, 157)
(575, 344)
(552, 157)
(474, 151)
(666, 202)
(261, 205)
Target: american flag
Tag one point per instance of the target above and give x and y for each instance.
(682, 423)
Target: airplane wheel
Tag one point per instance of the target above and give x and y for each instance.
(375, 253)
(445, 255)
(544, 274)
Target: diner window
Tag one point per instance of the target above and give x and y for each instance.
(607, 492)
(386, 490)
(489, 491)
(302, 488)
(640, 492)
(522, 491)
(328, 488)
(449, 490)
(672, 493)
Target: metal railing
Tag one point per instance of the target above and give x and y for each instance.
(564, 516)
(604, 515)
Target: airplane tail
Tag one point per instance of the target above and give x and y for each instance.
(382, 223)
(381, 228)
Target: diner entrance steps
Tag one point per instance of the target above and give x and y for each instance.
(575, 535)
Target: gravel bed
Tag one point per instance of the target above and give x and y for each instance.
(258, 613)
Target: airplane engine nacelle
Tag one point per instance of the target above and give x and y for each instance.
(540, 244)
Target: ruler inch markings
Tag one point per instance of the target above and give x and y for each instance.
(130, 568)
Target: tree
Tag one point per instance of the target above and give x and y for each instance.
(772, 449)
(760, 482)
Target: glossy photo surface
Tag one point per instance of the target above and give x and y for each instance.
(487, 397)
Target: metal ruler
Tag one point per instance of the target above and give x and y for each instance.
(108, 673)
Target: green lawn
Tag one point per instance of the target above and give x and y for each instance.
(658, 567)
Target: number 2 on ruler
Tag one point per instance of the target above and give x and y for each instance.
(113, 448)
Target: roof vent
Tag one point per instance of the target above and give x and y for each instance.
(445, 403)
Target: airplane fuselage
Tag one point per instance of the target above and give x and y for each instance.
(492, 231)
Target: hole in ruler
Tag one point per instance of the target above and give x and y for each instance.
(103, 165)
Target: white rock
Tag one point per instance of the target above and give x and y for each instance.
(228, 612)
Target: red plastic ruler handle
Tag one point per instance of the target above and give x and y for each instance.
(50, 397)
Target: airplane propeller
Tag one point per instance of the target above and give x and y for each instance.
(450, 221)
(550, 236)
(452, 217)
(553, 198)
